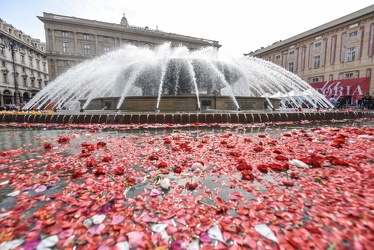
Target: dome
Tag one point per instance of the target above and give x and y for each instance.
(124, 20)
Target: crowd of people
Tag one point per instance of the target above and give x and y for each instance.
(8, 107)
(365, 102)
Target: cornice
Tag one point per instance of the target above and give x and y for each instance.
(132, 30)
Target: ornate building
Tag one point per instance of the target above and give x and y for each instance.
(23, 65)
(336, 58)
(72, 40)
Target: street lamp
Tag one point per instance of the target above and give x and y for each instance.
(12, 47)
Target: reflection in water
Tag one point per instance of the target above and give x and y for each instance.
(26, 138)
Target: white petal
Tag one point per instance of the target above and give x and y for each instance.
(266, 232)
(4, 182)
(7, 245)
(48, 242)
(88, 222)
(165, 183)
(158, 228)
(14, 193)
(215, 233)
(124, 245)
(97, 219)
(298, 163)
(196, 166)
(193, 245)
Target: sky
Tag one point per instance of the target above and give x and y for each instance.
(240, 26)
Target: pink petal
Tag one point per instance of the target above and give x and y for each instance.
(103, 248)
(147, 218)
(66, 233)
(204, 237)
(117, 219)
(169, 222)
(155, 192)
(41, 188)
(97, 229)
(135, 238)
(32, 244)
(233, 197)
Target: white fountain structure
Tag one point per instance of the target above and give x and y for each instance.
(145, 75)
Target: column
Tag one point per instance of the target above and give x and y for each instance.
(75, 43)
(55, 67)
(96, 46)
(53, 41)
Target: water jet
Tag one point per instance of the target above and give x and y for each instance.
(174, 79)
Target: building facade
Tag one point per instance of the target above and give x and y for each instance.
(23, 66)
(72, 40)
(338, 56)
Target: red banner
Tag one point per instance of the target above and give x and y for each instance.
(354, 88)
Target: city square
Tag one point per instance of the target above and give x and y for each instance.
(116, 136)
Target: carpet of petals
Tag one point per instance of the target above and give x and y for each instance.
(305, 188)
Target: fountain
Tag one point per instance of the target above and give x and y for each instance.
(167, 79)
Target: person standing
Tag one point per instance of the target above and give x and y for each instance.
(366, 101)
(332, 100)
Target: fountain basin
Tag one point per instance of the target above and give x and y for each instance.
(181, 103)
(110, 117)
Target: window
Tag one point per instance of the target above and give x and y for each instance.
(22, 58)
(317, 45)
(33, 83)
(64, 33)
(277, 57)
(106, 39)
(290, 67)
(3, 63)
(65, 47)
(317, 62)
(351, 54)
(86, 37)
(5, 78)
(291, 53)
(106, 50)
(354, 33)
(38, 65)
(315, 79)
(31, 64)
(86, 49)
(44, 68)
(25, 81)
(2, 51)
(349, 75)
(66, 63)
